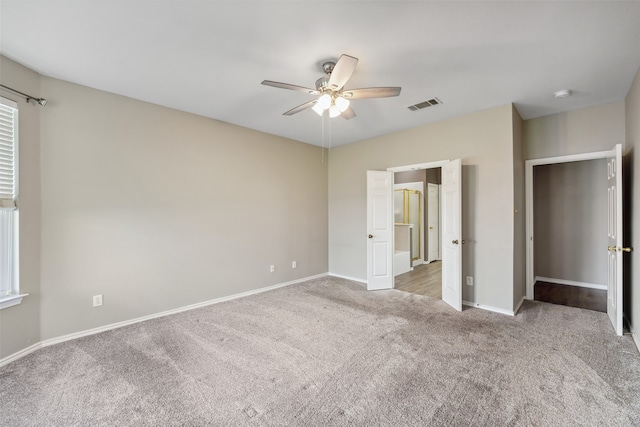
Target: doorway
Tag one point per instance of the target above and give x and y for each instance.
(417, 214)
(570, 231)
(380, 228)
(613, 254)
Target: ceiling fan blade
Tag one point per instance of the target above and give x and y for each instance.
(300, 108)
(290, 87)
(348, 113)
(342, 71)
(371, 92)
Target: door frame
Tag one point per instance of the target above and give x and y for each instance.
(439, 236)
(528, 189)
(421, 219)
(420, 166)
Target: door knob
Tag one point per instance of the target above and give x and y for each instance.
(611, 248)
(371, 236)
(626, 249)
(455, 242)
(430, 228)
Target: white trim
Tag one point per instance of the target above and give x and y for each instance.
(631, 332)
(636, 340)
(20, 354)
(353, 279)
(11, 300)
(515, 310)
(569, 158)
(528, 190)
(75, 335)
(569, 282)
(418, 166)
(489, 308)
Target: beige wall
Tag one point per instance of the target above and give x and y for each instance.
(570, 221)
(632, 130)
(20, 325)
(484, 142)
(586, 130)
(153, 208)
(157, 209)
(519, 224)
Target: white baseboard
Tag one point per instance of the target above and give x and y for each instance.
(634, 335)
(93, 331)
(635, 339)
(20, 354)
(570, 282)
(517, 308)
(354, 279)
(489, 308)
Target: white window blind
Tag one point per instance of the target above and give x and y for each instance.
(8, 154)
(8, 198)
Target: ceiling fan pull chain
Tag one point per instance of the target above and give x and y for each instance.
(329, 150)
(322, 124)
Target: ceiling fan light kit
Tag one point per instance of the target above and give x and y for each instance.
(324, 101)
(333, 97)
(342, 103)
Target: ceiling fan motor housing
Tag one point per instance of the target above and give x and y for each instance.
(322, 84)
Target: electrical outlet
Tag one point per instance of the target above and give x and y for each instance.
(97, 300)
(470, 280)
(294, 264)
(272, 268)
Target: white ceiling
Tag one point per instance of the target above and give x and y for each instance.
(209, 57)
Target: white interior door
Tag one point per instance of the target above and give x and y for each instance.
(452, 234)
(379, 230)
(614, 286)
(433, 221)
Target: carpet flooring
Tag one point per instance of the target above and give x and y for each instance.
(328, 353)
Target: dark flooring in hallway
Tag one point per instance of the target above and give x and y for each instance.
(572, 296)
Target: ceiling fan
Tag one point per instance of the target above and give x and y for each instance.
(333, 96)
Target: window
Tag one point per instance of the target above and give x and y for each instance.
(9, 290)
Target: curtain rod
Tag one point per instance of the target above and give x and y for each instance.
(40, 101)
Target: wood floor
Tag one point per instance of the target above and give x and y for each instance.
(425, 279)
(572, 296)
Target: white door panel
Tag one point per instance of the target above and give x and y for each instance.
(452, 234)
(379, 230)
(614, 232)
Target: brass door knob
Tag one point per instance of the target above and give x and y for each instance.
(455, 242)
(615, 248)
(371, 236)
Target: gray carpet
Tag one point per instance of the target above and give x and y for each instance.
(327, 352)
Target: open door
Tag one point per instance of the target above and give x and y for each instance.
(615, 249)
(379, 230)
(452, 234)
